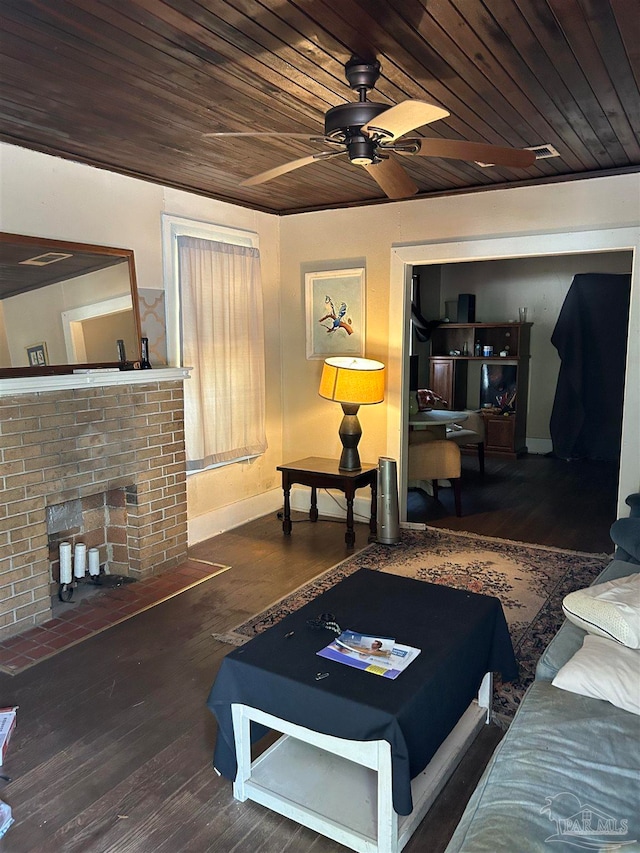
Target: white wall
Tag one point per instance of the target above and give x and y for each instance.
(45, 196)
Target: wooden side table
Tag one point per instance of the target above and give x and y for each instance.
(319, 473)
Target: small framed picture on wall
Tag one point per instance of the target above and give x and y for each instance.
(335, 313)
(37, 355)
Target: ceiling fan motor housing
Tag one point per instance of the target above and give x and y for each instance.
(344, 123)
(345, 120)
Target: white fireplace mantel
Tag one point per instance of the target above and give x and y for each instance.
(94, 378)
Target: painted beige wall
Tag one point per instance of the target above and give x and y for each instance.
(5, 356)
(46, 196)
(74, 202)
(320, 241)
(338, 237)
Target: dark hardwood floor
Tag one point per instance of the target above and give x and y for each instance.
(112, 752)
(538, 499)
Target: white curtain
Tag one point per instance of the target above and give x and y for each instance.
(223, 341)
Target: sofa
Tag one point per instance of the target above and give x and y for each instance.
(566, 775)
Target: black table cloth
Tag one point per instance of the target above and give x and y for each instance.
(461, 635)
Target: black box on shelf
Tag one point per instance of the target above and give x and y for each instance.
(466, 308)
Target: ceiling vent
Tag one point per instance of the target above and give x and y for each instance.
(45, 260)
(543, 152)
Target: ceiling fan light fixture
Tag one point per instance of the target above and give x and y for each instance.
(362, 152)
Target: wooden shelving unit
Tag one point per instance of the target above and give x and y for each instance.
(453, 349)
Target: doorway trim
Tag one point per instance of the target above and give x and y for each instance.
(403, 260)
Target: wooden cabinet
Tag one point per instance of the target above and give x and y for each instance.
(499, 433)
(453, 347)
(449, 381)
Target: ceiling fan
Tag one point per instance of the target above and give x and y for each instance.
(370, 133)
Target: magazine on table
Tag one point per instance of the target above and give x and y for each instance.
(371, 653)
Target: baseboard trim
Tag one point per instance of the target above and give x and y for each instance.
(539, 446)
(228, 517)
(332, 504)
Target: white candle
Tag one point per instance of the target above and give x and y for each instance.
(65, 562)
(94, 562)
(80, 560)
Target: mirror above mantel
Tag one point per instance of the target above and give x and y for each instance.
(64, 306)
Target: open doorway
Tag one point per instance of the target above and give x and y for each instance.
(501, 287)
(476, 257)
(538, 489)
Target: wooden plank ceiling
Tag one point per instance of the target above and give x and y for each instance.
(27, 263)
(133, 86)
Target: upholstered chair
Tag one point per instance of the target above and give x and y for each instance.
(435, 460)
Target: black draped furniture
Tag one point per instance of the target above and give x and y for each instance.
(591, 339)
(462, 637)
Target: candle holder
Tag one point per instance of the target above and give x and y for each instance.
(65, 590)
(93, 555)
(83, 559)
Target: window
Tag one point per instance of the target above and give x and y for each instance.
(217, 329)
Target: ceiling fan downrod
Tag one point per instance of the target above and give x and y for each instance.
(343, 122)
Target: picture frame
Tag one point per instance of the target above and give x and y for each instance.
(37, 355)
(335, 313)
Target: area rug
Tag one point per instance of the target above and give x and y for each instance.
(530, 581)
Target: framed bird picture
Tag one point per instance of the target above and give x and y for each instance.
(335, 311)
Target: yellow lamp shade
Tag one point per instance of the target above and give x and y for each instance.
(359, 381)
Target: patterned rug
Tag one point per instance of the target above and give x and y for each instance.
(530, 581)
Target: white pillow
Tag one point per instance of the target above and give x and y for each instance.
(610, 609)
(605, 670)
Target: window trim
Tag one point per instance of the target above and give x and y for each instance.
(178, 226)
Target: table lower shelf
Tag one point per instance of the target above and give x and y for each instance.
(338, 797)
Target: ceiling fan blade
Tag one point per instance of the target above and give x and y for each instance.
(407, 116)
(480, 152)
(270, 174)
(392, 178)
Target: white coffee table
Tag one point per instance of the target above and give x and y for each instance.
(342, 788)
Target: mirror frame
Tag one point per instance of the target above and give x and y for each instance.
(62, 245)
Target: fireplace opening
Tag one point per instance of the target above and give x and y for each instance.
(99, 523)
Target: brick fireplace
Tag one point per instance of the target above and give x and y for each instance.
(121, 435)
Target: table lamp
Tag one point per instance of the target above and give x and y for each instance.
(352, 382)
